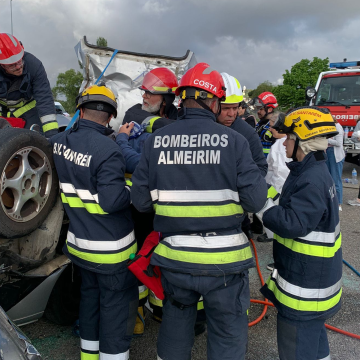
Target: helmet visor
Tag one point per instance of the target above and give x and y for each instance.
(257, 103)
(280, 125)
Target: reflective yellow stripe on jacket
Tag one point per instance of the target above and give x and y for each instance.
(77, 197)
(302, 305)
(150, 122)
(168, 248)
(191, 196)
(308, 299)
(19, 112)
(100, 249)
(225, 257)
(198, 211)
(103, 258)
(50, 126)
(310, 249)
(76, 202)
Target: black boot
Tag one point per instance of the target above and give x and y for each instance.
(264, 238)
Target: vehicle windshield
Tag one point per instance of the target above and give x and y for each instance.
(60, 107)
(342, 90)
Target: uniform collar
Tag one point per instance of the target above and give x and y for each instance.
(186, 113)
(87, 124)
(309, 160)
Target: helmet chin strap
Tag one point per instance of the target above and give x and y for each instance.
(266, 112)
(296, 146)
(203, 105)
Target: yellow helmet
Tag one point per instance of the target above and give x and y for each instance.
(233, 90)
(306, 123)
(98, 98)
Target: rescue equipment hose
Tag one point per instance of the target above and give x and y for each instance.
(352, 268)
(76, 115)
(267, 303)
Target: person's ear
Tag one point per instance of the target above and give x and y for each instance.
(212, 106)
(81, 113)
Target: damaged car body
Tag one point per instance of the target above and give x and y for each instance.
(126, 71)
(14, 345)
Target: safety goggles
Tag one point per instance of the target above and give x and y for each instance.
(13, 66)
(280, 126)
(146, 93)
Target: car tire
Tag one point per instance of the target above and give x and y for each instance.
(63, 305)
(28, 181)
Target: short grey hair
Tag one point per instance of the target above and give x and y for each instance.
(100, 117)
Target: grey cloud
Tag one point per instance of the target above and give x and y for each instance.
(253, 40)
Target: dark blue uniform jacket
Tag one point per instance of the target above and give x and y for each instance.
(90, 162)
(308, 212)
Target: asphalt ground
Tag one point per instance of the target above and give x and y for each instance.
(58, 343)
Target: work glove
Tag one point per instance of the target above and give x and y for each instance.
(269, 204)
(273, 199)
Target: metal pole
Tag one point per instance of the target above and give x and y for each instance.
(12, 33)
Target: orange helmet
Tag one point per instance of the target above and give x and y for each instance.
(202, 77)
(11, 51)
(160, 81)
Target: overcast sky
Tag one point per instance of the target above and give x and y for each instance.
(253, 40)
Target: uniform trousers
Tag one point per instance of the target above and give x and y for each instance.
(108, 309)
(226, 300)
(302, 340)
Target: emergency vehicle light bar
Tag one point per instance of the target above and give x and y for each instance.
(344, 65)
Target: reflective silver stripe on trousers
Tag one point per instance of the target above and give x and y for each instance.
(304, 292)
(122, 356)
(326, 358)
(194, 195)
(318, 236)
(111, 245)
(208, 242)
(82, 194)
(89, 345)
(158, 358)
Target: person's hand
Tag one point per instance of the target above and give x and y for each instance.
(126, 128)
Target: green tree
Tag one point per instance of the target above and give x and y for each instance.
(264, 86)
(101, 42)
(303, 74)
(68, 84)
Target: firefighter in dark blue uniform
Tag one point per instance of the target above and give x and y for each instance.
(228, 117)
(24, 87)
(199, 177)
(265, 104)
(157, 110)
(101, 237)
(305, 285)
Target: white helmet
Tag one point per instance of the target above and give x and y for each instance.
(233, 90)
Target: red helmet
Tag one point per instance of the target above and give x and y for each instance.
(160, 81)
(265, 99)
(201, 76)
(11, 51)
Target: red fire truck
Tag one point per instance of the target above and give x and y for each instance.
(339, 90)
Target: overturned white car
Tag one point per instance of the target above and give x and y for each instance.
(125, 72)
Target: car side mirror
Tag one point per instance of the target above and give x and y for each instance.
(310, 93)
